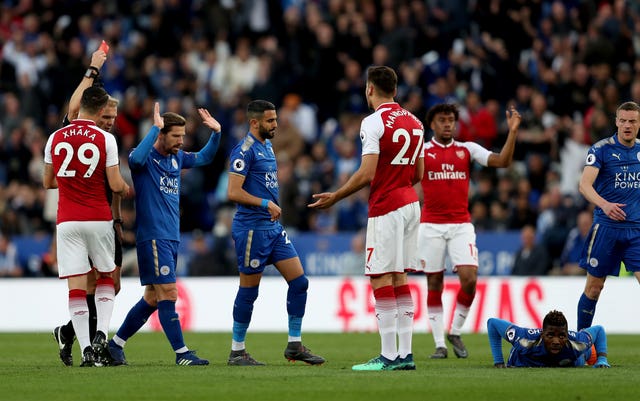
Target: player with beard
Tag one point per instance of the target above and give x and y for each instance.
(259, 237)
(156, 165)
(392, 163)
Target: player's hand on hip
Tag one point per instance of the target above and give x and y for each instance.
(274, 210)
(614, 211)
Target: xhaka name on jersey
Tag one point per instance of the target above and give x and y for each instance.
(169, 185)
(626, 180)
(79, 131)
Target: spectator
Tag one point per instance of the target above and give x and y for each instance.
(301, 115)
(576, 240)
(356, 257)
(476, 122)
(532, 259)
(9, 266)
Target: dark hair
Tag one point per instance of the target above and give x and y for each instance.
(93, 99)
(172, 120)
(554, 318)
(383, 78)
(444, 108)
(628, 106)
(256, 108)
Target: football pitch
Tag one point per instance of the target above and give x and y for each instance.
(31, 370)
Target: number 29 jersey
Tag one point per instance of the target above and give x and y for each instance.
(396, 136)
(80, 153)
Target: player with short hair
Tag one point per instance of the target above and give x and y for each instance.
(445, 222)
(552, 346)
(259, 237)
(64, 335)
(156, 165)
(392, 163)
(78, 157)
(610, 181)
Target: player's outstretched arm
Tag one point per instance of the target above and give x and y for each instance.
(360, 179)
(496, 329)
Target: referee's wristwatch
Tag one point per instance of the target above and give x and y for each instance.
(92, 72)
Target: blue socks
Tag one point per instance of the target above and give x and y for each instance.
(246, 296)
(242, 310)
(586, 310)
(136, 318)
(296, 304)
(171, 323)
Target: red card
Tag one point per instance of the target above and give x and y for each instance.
(104, 47)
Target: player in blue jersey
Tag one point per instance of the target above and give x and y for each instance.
(611, 181)
(552, 346)
(155, 167)
(259, 238)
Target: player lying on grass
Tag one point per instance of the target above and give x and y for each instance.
(552, 346)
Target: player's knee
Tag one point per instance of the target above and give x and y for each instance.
(299, 284)
(593, 291)
(247, 295)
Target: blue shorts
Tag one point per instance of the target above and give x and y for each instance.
(157, 261)
(256, 249)
(606, 247)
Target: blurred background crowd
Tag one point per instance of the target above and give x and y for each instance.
(565, 64)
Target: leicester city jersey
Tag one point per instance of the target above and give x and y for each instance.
(528, 348)
(618, 179)
(256, 162)
(157, 184)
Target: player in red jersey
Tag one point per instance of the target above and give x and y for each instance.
(77, 158)
(392, 163)
(445, 223)
(64, 335)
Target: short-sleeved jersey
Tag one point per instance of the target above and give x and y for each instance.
(446, 180)
(528, 348)
(80, 153)
(618, 179)
(256, 162)
(157, 185)
(396, 136)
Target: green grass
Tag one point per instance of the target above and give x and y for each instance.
(30, 370)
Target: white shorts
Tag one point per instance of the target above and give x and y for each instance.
(437, 241)
(80, 240)
(392, 241)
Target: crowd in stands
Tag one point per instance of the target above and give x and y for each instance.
(565, 64)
